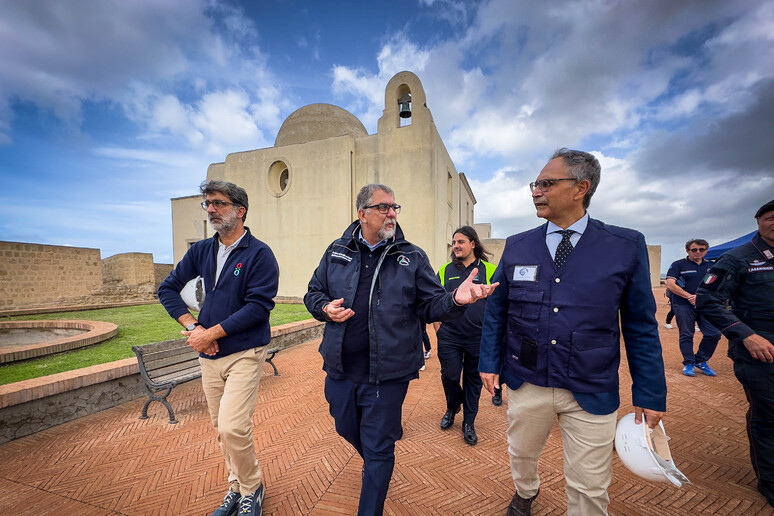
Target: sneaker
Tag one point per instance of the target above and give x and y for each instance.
(696, 329)
(688, 370)
(252, 504)
(668, 326)
(705, 368)
(422, 368)
(229, 505)
(427, 354)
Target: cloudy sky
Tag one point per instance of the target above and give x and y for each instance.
(110, 108)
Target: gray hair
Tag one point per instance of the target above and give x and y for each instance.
(235, 194)
(367, 192)
(583, 167)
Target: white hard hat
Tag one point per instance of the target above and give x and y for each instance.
(193, 294)
(645, 451)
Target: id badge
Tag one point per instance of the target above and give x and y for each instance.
(526, 273)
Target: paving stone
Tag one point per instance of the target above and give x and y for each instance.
(112, 463)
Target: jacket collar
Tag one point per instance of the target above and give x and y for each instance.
(242, 243)
(350, 238)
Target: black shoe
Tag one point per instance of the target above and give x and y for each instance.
(767, 490)
(448, 419)
(497, 399)
(469, 433)
(252, 504)
(521, 506)
(229, 505)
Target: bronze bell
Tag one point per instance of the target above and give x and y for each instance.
(405, 106)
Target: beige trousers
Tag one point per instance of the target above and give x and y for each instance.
(230, 385)
(587, 440)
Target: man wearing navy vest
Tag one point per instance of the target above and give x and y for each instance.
(460, 339)
(553, 333)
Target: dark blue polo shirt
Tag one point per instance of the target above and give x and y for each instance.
(688, 275)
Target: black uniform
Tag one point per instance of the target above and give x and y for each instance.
(459, 342)
(744, 277)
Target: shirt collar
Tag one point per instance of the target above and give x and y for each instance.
(578, 226)
(359, 237)
(223, 247)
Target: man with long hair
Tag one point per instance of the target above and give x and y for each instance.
(459, 340)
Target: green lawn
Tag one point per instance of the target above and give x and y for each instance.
(137, 325)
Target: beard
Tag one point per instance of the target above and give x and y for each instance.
(387, 233)
(224, 223)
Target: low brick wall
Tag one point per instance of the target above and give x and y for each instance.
(34, 405)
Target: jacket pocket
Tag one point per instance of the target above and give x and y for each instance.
(525, 303)
(594, 355)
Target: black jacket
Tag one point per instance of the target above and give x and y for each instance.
(743, 277)
(404, 292)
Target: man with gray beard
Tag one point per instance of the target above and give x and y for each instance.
(231, 334)
(374, 290)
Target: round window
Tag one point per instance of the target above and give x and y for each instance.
(279, 178)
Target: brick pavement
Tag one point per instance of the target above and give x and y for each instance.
(111, 463)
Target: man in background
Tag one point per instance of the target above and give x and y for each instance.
(683, 278)
(459, 340)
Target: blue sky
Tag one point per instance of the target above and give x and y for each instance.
(110, 108)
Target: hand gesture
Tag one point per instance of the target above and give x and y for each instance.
(470, 292)
(336, 312)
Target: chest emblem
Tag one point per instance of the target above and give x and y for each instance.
(404, 260)
(238, 269)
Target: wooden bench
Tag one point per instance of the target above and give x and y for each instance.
(164, 365)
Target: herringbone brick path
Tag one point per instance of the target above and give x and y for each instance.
(113, 463)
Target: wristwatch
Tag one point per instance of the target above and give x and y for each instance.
(192, 326)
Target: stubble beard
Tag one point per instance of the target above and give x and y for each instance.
(227, 223)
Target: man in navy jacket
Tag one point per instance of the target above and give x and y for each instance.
(374, 290)
(552, 330)
(231, 335)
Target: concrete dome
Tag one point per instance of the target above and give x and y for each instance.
(318, 122)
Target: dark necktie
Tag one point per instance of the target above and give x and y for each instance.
(564, 248)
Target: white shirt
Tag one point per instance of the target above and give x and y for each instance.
(223, 254)
(553, 235)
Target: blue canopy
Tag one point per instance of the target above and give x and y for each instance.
(715, 251)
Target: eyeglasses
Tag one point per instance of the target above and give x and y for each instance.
(217, 203)
(697, 249)
(384, 208)
(544, 184)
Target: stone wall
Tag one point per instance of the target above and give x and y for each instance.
(160, 273)
(130, 269)
(46, 275)
(51, 277)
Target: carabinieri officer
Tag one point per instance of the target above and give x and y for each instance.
(745, 277)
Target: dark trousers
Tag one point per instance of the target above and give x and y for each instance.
(460, 359)
(426, 340)
(369, 418)
(687, 318)
(757, 378)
